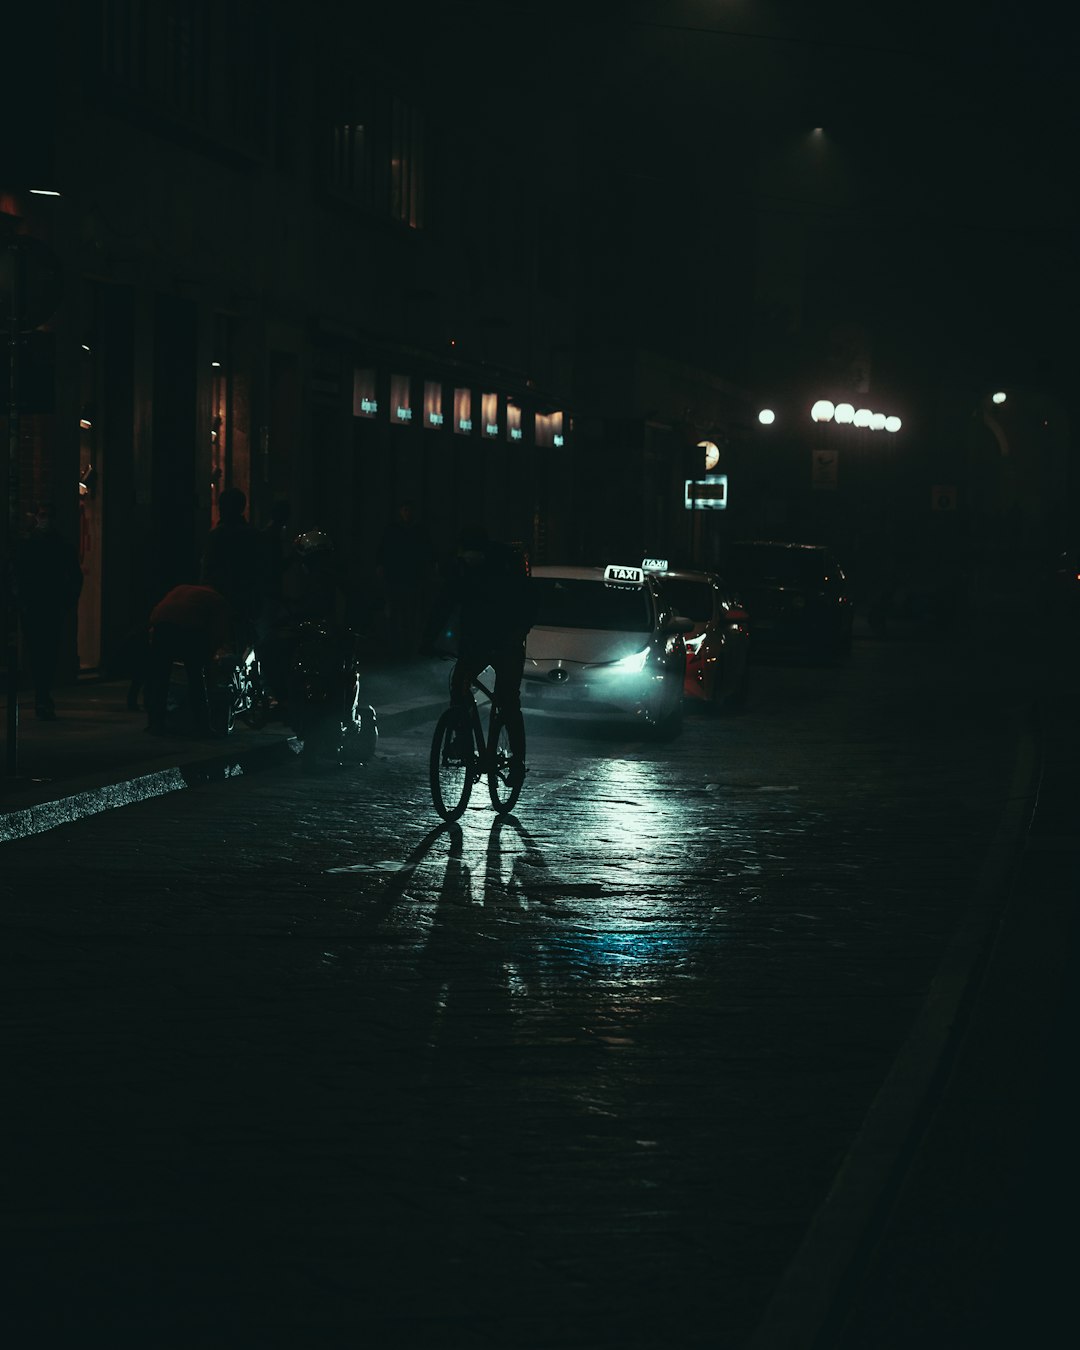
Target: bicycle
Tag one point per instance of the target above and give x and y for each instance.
(461, 756)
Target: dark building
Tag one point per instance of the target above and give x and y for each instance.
(293, 261)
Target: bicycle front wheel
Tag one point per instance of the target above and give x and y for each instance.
(453, 757)
(503, 789)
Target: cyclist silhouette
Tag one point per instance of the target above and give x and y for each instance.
(489, 606)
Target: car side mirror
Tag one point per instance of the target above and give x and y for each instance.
(680, 624)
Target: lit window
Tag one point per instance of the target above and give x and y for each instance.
(400, 399)
(463, 412)
(489, 415)
(549, 429)
(364, 402)
(433, 413)
(513, 422)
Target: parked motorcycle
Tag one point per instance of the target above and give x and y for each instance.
(323, 703)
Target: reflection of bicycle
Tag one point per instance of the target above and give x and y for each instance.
(461, 756)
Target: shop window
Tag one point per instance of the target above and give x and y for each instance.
(400, 399)
(463, 412)
(549, 430)
(364, 401)
(514, 430)
(489, 415)
(433, 413)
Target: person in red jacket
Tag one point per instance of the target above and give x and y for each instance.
(191, 624)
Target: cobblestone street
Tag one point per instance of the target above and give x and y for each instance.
(290, 1066)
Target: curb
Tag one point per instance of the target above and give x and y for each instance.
(106, 796)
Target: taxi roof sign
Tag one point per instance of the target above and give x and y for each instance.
(654, 564)
(628, 576)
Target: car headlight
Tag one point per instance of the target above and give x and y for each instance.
(631, 665)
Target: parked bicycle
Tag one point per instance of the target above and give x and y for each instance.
(462, 754)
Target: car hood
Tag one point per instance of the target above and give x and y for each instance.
(586, 646)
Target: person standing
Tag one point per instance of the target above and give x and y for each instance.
(234, 562)
(404, 566)
(48, 583)
(277, 543)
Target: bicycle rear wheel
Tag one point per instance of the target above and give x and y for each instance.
(453, 758)
(504, 793)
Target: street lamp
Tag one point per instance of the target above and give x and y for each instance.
(845, 414)
(766, 417)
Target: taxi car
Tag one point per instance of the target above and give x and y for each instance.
(606, 643)
(718, 645)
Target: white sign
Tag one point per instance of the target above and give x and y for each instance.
(654, 564)
(706, 494)
(629, 576)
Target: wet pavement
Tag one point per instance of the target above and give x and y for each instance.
(657, 1062)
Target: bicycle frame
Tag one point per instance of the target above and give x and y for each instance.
(454, 770)
(483, 741)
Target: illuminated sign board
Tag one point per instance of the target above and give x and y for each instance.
(707, 494)
(654, 564)
(625, 576)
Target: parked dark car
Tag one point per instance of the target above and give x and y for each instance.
(797, 596)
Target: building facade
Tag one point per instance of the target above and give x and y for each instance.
(289, 262)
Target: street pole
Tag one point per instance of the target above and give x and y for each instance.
(11, 617)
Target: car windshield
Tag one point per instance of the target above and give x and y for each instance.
(778, 566)
(571, 602)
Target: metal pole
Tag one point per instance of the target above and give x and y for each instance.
(10, 608)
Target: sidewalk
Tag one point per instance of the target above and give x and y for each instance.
(97, 755)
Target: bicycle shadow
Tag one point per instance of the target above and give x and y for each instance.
(518, 876)
(527, 881)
